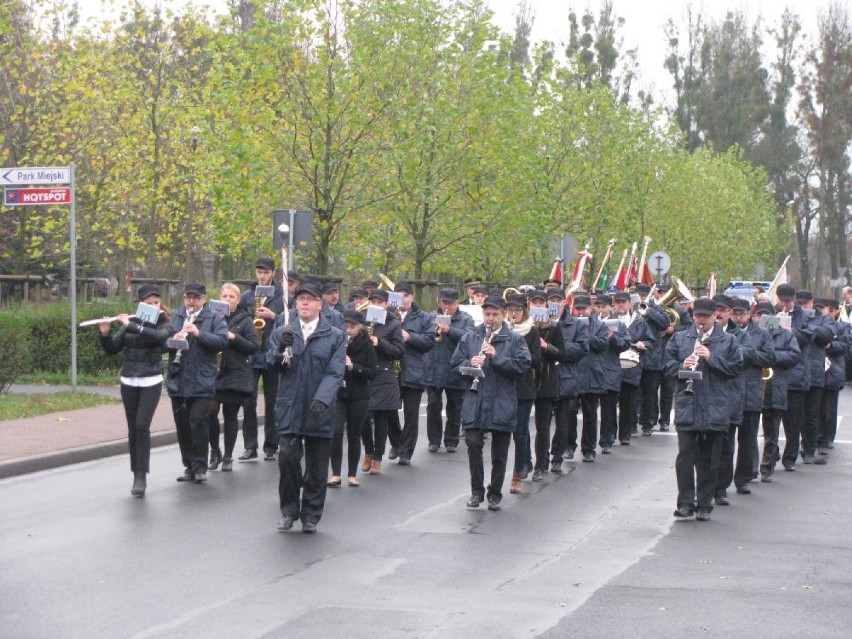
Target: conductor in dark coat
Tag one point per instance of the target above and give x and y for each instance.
(503, 357)
(702, 416)
(310, 374)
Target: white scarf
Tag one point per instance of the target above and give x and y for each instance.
(523, 328)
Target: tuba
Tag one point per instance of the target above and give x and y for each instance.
(667, 301)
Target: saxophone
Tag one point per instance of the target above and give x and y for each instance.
(259, 322)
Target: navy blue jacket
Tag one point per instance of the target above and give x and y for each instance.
(235, 371)
(315, 372)
(548, 371)
(195, 376)
(590, 376)
(494, 407)
(274, 304)
(415, 360)
(836, 351)
(356, 380)
(758, 353)
(384, 389)
(605, 375)
(440, 374)
(640, 331)
(717, 396)
(787, 357)
(575, 345)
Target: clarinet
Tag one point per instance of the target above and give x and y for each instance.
(489, 335)
(702, 335)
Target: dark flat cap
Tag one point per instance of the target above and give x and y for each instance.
(353, 317)
(293, 276)
(148, 289)
(494, 301)
(310, 289)
(764, 307)
(643, 288)
(804, 296)
(358, 292)
(480, 288)
(265, 262)
(785, 292)
(604, 299)
(404, 287)
(330, 287)
(370, 284)
(554, 291)
(517, 300)
(722, 300)
(704, 306)
(195, 288)
(740, 304)
(538, 295)
(473, 281)
(448, 295)
(379, 294)
(621, 296)
(582, 301)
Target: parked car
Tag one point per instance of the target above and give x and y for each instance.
(745, 288)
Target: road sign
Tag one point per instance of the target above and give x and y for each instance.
(37, 197)
(35, 175)
(660, 263)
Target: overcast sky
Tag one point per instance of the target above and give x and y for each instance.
(643, 28)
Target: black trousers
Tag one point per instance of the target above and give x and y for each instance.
(771, 452)
(811, 428)
(190, 415)
(140, 402)
(404, 438)
(697, 467)
(609, 417)
(828, 418)
(270, 433)
(434, 423)
(475, 440)
(627, 417)
(649, 384)
(668, 385)
(230, 414)
(794, 418)
(565, 430)
(351, 414)
(302, 491)
(543, 417)
(375, 438)
(741, 437)
(589, 439)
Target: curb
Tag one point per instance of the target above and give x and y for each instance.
(48, 461)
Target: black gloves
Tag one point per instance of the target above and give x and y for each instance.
(287, 339)
(318, 407)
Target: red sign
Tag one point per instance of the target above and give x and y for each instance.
(37, 197)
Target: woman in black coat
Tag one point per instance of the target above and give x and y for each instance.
(353, 398)
(235, 381)
(141, 378)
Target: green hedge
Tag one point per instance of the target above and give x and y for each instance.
(47, 337)
(13, 346)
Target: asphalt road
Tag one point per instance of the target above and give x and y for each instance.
(591, 553)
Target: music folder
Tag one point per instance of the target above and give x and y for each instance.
(471, 371)
(147, 313)
(376, 315)
(264, 290)
(220, 307)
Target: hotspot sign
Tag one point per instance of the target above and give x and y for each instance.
(37, 197)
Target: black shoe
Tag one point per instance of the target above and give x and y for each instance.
(434, 448)
(188, 475)
(200, 477)
(556, 467)
(790, 467)
(703, 514)
(215, 460)
(646, 430)
(139, 485)
(624, 442)
(250, 453)
(285, 524)
(830, 445)
(309, 526)
(807, 459)
(227, 464)
(404, 461)
(765, 478)
(744, 489)
(393, 453)
(452, 449)
(268, 455)
(606, 450)
(822, 450)
(538, 475)
(474, 501)
(588, 457)
(494, 503)
(664, 428)
(722, 500)
(684, 511)
(821, 460)
(568, 455)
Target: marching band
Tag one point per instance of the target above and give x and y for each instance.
(629, 358)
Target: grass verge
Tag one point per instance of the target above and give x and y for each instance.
(64, 379)
(18, 406)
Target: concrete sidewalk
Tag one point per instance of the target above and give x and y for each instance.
(58, 439)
